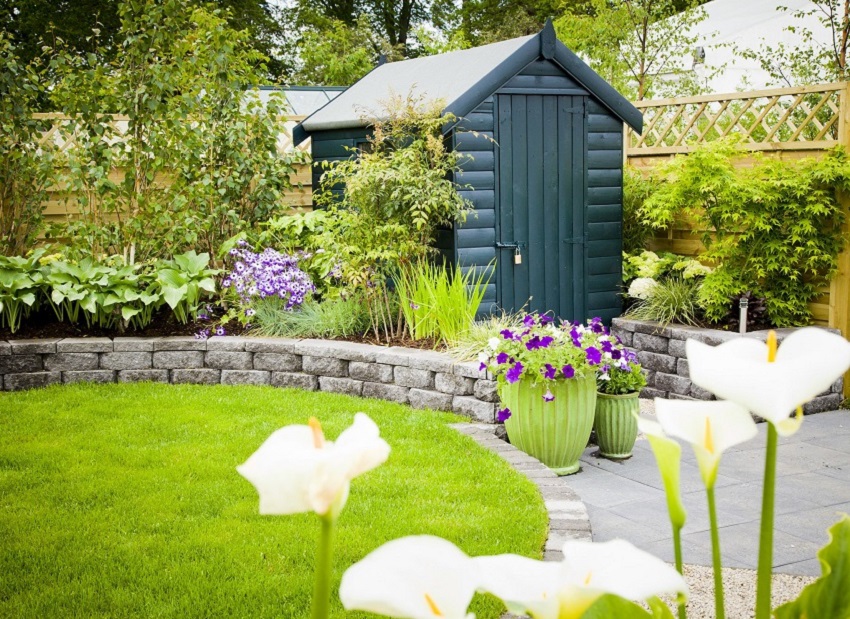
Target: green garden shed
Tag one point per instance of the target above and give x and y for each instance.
(544, 172)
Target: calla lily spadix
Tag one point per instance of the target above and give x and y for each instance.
(710, 427)
(771, 382)
(297, 470)
(588, 571)
(417, 577)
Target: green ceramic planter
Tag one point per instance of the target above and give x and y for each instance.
(616, 424)
(554, 432)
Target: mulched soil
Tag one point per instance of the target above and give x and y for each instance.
(43, 324)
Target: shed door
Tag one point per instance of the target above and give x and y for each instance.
(541, 204)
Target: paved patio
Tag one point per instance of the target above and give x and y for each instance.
(626, 499)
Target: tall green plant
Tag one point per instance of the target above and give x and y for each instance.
(773, 228)
(20, 283)
(25, 162)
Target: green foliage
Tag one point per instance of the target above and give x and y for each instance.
(20, 281)
(672, 300)
(773, 228)
(614, 606)
(336, 55)
(331, 318)
(477, 337)
(198, 158)
(396, 194)
(829, 595)
(25, 164)
(439, 302)
(633, 42)
(636, 189)
(621, 382)
(661, 266)
(182, 282)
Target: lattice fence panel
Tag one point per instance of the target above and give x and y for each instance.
(802, 118)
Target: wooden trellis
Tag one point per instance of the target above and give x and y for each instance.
(805, 118)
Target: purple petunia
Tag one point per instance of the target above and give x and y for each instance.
(482, 366)
(503, 415)
(568, 371)
(513, 374)
(606, 346)
(502, 358)
(539, 342)
(549, 371)
(545, 320)
(507, 334)
(548, 397)
(529, 321)
(594, 356)
(616, 354)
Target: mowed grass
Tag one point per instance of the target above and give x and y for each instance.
(124, 501)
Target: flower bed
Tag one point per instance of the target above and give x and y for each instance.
(661, 352)
(420, 378)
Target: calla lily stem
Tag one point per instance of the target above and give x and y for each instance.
(677, 552)
(765, 567)
(322, 590)
(719, 611)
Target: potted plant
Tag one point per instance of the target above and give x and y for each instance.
(546, 377)
(618, 382)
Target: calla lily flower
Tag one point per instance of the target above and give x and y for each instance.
(588, 571)
(668, 456)
(297, 470)
(710, 427)
(769, 382)
(417, 577)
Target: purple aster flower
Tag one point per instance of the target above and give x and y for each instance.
(568, 371)
(513, 374)
(507, 334)
(219, 330)
(502, 358)
(594, 356)
(503, 414)
(414, 306)
(529, 320)
(548, 397)
(250, 312)
(549, 371)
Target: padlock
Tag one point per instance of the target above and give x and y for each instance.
(517, 256)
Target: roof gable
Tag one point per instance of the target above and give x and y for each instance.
(462, 80)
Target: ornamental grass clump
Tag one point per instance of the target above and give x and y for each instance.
(258, 276)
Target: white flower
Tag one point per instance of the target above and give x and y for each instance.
(589, 570)
(493, 342)
(710, 427)
(769, 382)
(483, 357)
(642, 288)
(417, 577)
(296, 470)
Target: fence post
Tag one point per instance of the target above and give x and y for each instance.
(839, 289)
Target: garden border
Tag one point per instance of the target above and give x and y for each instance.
(661, 352)
(423, 379)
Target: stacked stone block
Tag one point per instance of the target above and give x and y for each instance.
(661, 352)
(422, 379)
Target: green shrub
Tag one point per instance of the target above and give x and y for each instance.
(773, 229)
(636, 189)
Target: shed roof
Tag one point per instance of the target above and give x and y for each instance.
(302, 100)
(462, 79)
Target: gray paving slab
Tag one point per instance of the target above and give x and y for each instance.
(625, 499)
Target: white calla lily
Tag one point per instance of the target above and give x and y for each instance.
(588, 571)
(296, 470)
(771, 382)
(710, 427)
(417, 577)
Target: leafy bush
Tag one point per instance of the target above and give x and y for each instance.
(331, 318)
(26, 165)
(439, 302)
(20, 282)
(636, 189)
(773, 229)
(672, 300)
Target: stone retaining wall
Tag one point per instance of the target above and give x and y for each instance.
(420, 378)
(661, 352)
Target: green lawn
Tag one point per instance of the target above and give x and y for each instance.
(123, 501)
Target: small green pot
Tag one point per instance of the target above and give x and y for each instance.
(555, 432)
(616, 424)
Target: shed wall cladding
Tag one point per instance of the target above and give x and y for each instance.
(334, 146)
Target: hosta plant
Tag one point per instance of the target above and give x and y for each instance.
(20, 283)
(182, 282)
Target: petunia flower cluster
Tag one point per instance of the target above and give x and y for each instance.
(267, 274)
